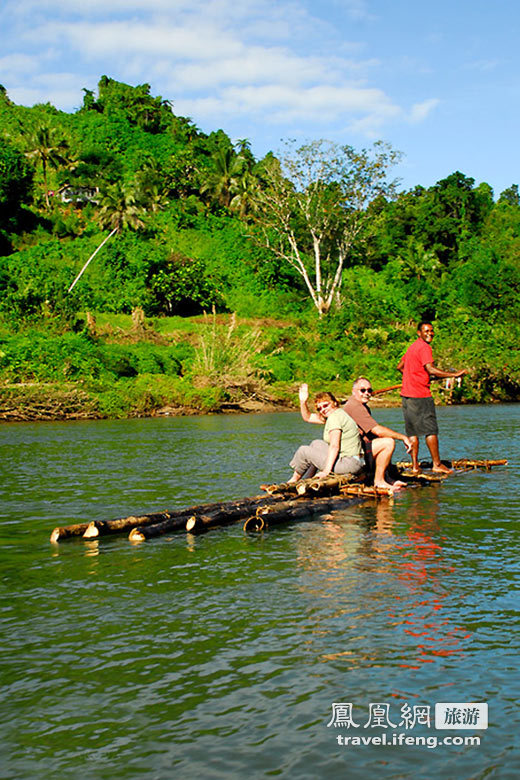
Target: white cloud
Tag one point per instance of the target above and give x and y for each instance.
(257, 65)
(420, 111)
(121, 39)
(55, 88)
(268, 59)
(358, 9)
(484, 66)
(17, 65)
(282, 104)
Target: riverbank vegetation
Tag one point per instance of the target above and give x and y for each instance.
(147, 267)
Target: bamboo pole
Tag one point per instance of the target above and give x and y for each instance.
(287, 488)
(325, 486)
(466, 463)
(367, 490)
(303, 487)
(456, 464)
(386, 389)
(140, 533)
(421, 478)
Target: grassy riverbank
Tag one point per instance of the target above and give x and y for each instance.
(115, 366)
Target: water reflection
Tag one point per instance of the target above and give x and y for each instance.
(382, 562)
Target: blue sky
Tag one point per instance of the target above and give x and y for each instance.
(438, 80)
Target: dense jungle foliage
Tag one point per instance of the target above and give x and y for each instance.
(218, 279)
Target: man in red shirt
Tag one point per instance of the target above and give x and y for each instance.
(378, 440)
(420, 419)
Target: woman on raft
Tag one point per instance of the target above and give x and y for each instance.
(339, 451)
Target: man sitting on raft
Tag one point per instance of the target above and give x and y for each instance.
(340, 450)
(378, 440)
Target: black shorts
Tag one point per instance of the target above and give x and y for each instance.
(419, 416)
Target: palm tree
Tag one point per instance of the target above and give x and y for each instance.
(47, 149)
(149, 188)
(119, 209)
(245, 194)
(228, 167)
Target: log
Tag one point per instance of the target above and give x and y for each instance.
(327, 486)
(204, 516)
(68, 531)
(366, 490)
(456, 464)
(105, 527)
(420, 478)
(284, 488)
(304, 487)
(474, 464)
(141, 533)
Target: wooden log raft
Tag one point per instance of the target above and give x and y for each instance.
(159, 523)
(286, 500)
(208, 516)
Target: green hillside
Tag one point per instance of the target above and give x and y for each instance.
(223, 281)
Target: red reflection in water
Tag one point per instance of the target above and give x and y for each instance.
(414, 558)
(420, 566)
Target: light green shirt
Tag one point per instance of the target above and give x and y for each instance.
(350, 441)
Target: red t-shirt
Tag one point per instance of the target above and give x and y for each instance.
(416, 379)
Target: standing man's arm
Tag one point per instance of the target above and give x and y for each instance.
(437, 373)
(400, 365)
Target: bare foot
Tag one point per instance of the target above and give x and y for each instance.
(385, 485)
(442, 469)
(399, 484)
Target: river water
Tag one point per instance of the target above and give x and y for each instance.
(221, 655)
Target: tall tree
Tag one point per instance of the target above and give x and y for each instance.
(227, 168)
(16, 178)
(49, 149)
(245, 192)
(150, 188)
(314, 204)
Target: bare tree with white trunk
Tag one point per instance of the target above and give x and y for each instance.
(313, 204)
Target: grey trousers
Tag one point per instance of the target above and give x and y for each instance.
(314, 456)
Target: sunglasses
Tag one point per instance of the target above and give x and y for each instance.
(321, 407)
(366, 390)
